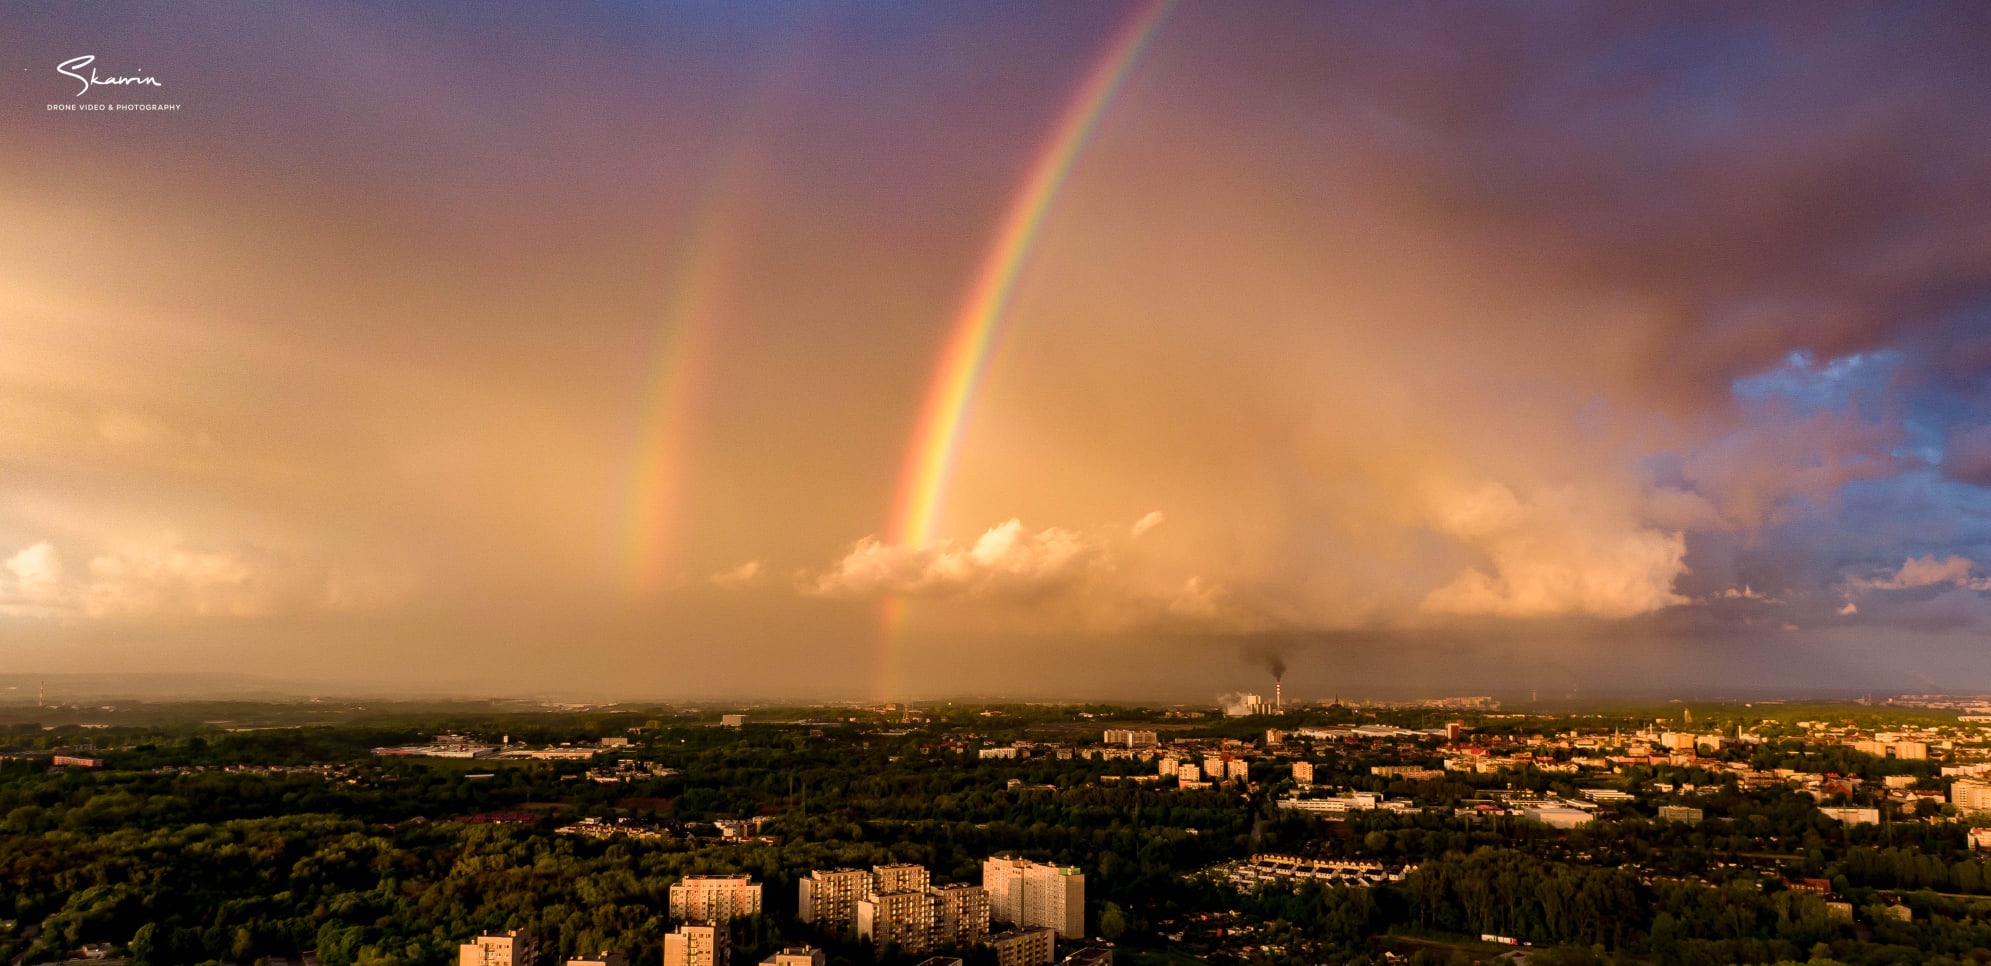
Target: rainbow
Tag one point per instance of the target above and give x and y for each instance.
(936, 441)
(679, 358)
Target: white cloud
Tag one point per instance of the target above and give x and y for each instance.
(168, 579)
(32, 582)
(1553, 554)
(1146, 523)
(1006, 561)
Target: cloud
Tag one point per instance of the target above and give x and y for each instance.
(1052, 579)
(1555, 555)
(1782, 464)
(738, 578)
(32, 582)
(1005, 562)
(1146, 523)
(1927, 571)
(167, 580)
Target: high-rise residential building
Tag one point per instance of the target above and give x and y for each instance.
(513, 948)
(828, 899)
(1970, 796)
(795, 956)
(1002, 879)
(1213, 766)
(1237, 769)
(1303, 772)
(1035, 946)
(697, 945)
(901, 918)
(960, 915)
(1026, 893)
(1054, 897)
(899, 878)
(714, 898)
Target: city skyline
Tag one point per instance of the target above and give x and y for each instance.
(889, 353)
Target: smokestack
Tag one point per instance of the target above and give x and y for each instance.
(1278, 694)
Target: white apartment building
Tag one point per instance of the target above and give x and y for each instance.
(1970, 796)
(904, 918)
(513, 948)
(695, 945)
(1027, 894)
(828, 899)
(714, 898)
(960, 914)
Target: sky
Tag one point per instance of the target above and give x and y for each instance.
(897, 351)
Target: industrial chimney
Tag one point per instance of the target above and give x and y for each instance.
(1278, 694)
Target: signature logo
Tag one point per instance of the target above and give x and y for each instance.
(73, 68)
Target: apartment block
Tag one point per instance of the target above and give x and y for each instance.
(899, 878)
(1970, 796)
(513, 948)
(1037, 946)
(904, 919)
(828, 899)
(960, 915)
(1130, 738)
(696, 945)
(714, 898)
(1030, 894)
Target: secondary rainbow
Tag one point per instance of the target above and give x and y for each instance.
(695, 302)
(679, 360)
(936, 442)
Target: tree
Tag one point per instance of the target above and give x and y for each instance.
(1112, 922)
